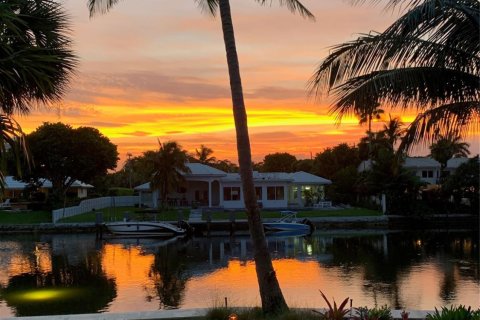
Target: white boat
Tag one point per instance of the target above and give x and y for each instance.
(288, 222)
(144, 229)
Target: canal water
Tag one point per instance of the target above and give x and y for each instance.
(63, 274)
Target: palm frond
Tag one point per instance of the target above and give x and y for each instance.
(208, 6)
(13, 138)
(36, 61)
(294, 6)
(378, 52)
(100, 6)
(407, 87)
(458, 118)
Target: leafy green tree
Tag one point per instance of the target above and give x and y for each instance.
(428, 58)
(63, 154)
(464, 183)
(448, 147)
(270, 292)
(169, 165)
(279, 162)
(35, 62)
(305, 165)
(328, 162)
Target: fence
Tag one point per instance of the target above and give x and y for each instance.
(95, 203)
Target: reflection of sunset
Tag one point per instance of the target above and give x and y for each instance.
(130, 268)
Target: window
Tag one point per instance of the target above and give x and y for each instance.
(258, 193)
(427, 174)
(231, 193)
(275, 193)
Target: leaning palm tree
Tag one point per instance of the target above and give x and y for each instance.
(428, 59)
(448, 147)
(35, 60)
(270, 293)
(169, 163)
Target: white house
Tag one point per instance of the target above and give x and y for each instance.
(14, 188)
(427, 169)
(210, 187)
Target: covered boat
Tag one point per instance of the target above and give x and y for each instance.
(145, 228)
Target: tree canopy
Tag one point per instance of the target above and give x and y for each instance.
(63, 154)
(279, 162)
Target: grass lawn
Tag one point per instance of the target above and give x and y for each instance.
(25, 217)
(352, 212)
(117, 214)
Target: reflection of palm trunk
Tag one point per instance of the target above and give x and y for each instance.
(270, 293)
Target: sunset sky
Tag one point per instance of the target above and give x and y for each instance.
(156, 69)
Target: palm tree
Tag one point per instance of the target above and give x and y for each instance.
(35, 60)
(448, 147)
(11, 138)
(367, 113)
(428, 59)
(270, 293)
(169, 163)
(392, 130)
(204, 155)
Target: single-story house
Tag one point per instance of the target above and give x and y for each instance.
(426, 168)
(213, 188)
(14, 188)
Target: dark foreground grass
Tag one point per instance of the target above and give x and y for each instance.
(118, 213)
(25, 217)
(351, 212)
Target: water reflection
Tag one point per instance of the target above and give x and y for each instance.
(48, 277)
(401, 269)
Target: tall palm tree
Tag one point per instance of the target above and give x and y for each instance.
(270, 293)
(204, 155)
(393, 130)
(35, 60)
(427, 59)
(168, 164)
(448, 147)
(367, 113)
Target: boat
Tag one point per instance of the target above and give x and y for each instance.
(146, 228)
(289, 222)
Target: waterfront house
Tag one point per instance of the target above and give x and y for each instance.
(14, 188)
(209, 187)
(425, 168)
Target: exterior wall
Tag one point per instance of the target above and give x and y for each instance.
(265, 202)
(420, 172)
(82, 193)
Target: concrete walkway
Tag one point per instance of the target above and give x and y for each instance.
(176, 314)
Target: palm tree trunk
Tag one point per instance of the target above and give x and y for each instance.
(270, 292)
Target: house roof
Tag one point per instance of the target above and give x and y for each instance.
(302, 177)
(203, 170)
(456, 162)
(424, 162)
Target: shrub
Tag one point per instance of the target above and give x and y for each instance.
(334, 312)
(455, 313)
(382, 313)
